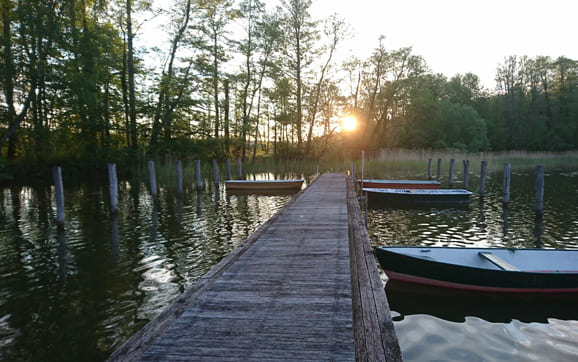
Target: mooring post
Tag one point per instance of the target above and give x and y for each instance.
(483, 177)
(239, 168)
(439, 169)
(429, 169)
(354, 177)
(451, 180)
(198, 174)
(507, 173)
(152, 177)
(466, 173)
(216, 172)
(228, 161)
(539, 203)
(179, 177)
(59, 191)
(114, 240)
(113, 187)
(362, 165)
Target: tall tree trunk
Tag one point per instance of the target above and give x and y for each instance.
(8, 74)
(299, 93)
(226, 110)
(216, 83)
(131, 71)
(124, 89)
(163, 109)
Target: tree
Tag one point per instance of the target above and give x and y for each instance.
(334, 30)
(171, 89)
(508, 79)
(300, 36)
(215, 15)
(251, 11)
(10, 75)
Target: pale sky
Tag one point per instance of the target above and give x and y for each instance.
(453, 36)
(460, 36)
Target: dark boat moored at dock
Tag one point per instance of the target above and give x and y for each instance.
(494, 270)
(411, 197)
(398, 184)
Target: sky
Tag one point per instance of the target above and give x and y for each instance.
(453, 36)
(458, 36)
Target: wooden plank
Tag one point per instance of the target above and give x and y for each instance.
(140, 341)
(297, 289)
(287, 296)
(499, 262)
(375, 338)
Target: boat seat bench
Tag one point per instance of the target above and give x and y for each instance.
(496, 260)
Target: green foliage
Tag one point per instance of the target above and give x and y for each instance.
(218, 93)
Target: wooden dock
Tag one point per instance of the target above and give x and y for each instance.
(304, 286)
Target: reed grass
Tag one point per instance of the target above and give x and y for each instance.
(383, 164)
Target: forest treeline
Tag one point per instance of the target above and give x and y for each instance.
(80, 83)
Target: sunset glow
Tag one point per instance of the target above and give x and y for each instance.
(349, 123)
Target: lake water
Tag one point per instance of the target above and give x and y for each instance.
(80, 294)
(433, 326)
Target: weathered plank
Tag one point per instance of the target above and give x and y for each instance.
(294, 290)
(375, 338)
(133, 348)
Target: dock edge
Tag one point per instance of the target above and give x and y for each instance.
(374, 333)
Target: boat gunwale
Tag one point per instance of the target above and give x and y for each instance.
(264, 181)
(418, 192)
(539, 272)
(476, 278)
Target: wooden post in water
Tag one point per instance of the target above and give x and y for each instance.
(439, 169)
(239, 168)
(228, 168)
(429, 169)
(483, 177)
(113, 182)
(507, 173)
(362, 165)
(539, 203)
(198, 174)
(153, 179)
(216, 172)
(179, 178)
(451, 179)
(59, 191)
(466, 173)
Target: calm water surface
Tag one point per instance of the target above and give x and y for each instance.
(79, 294)
(431, 326)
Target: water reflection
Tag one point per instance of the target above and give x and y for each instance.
(426, 338)
(79, 294)
(488, 222)
(455, 306)
(435, 326)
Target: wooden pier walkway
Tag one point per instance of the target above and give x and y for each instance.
(292, 291)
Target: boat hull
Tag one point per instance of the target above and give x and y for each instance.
(482, 275)
(260, 185)
(417, 197)
(457, 306)
(399, 184)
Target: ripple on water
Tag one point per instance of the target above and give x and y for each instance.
(427, 338)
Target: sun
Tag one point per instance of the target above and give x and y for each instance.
(349, 123)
